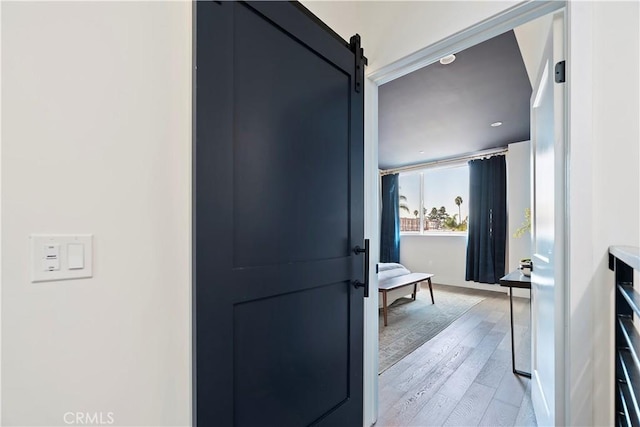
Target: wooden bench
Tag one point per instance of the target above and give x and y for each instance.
(387, 285)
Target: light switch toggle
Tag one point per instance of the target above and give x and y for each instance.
(51, 257)
(75, 256)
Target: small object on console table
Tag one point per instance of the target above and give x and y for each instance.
(526, 266)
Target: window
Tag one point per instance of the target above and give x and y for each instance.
(443, 194)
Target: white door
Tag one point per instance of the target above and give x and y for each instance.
(547, 279)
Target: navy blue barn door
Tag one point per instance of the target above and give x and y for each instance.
(278, 205)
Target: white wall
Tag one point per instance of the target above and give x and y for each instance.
(444, 256)
(96, 138)
(342, 16)
(531, 38)
(615, 176)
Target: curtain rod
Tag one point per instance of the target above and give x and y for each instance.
(478, 155)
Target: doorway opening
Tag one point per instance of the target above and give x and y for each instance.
(457, 43)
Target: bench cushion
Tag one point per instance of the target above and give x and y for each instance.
(387, 270)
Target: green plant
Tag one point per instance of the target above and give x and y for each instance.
(451, 223)
(526, 225)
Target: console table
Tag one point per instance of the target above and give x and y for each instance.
(515, 279)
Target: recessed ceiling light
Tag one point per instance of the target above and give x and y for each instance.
(421, 151)
(448, 59)
(496, 124)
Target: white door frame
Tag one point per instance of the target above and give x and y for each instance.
(575, 382)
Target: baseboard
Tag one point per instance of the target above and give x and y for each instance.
(521, 293)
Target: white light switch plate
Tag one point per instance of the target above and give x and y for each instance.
(75, 256)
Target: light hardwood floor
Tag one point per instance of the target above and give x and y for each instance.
(462, 377)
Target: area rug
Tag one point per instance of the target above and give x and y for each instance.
(412, 323)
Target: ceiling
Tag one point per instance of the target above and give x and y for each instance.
(443, 111)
